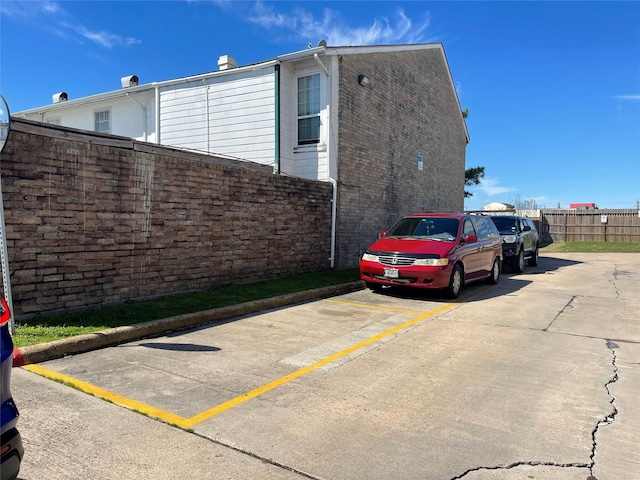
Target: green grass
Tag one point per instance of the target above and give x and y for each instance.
(47, 328)
(595, 247)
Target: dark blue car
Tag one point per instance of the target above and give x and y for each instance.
(12, 450)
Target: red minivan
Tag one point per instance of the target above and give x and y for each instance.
(434, 250)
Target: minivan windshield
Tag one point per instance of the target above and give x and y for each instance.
(505, 224)
(432, 228)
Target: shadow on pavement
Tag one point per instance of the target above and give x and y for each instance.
(179, 347)
(509, 283)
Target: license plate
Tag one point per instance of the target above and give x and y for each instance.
(391, 272)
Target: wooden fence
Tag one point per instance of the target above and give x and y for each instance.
(600, 225)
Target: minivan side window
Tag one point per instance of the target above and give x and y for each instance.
(493, 230)
(482, 227)
(467, 228)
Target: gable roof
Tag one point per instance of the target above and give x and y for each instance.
(289, 57)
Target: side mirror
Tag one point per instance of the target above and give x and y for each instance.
(5, 121)
(470, 239)
(383, 233)
(526, 228)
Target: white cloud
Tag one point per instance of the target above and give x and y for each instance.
(635, 97)
(491, 187)
(332, 27)
(52, 17)
(105, 39)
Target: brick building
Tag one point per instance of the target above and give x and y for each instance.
(382, 124)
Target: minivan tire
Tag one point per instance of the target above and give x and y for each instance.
(494, 276)
(455, 282)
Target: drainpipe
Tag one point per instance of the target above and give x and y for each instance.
(317, 58)
(144, 115)
(157, 95)
(206, 95)
(334, 213)
(277, 120)
(334, 183)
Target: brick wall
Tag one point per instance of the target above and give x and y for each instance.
(95, 219)
(408, 108)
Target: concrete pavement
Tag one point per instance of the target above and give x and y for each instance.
(537, 377)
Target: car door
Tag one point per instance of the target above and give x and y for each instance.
(489, 240)
(469, 253)
(527, 235)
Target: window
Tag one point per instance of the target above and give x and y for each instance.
(309, 109)
(483, 227)
(468, 228)
(102, 119)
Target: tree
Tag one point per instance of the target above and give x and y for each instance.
(525, 203)
(472, 176)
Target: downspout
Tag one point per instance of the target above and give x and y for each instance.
(334, 183)
(206, 95)
(157, 115)
(277, 120)
(334, 214)
(317, 58)
(144, 115)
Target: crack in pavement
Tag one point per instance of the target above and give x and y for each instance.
(608, 420)
(566, 307)
(520, 464)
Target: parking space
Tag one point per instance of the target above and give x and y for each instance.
(187, 377)
(534, 376)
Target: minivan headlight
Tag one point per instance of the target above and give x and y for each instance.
(370, 257)
(432, 262)
(509, 238)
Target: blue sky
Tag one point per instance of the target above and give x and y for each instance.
(552, 88)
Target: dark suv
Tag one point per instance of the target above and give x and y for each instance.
(519, 240)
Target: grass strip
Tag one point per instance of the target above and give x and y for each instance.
(54, 327)
(592, 247)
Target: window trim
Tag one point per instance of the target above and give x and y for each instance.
(98, 111)
(314, 144)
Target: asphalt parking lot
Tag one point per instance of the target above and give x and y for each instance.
(536, 377)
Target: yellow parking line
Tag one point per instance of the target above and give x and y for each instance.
(373, 307)
(109, 396)
(187, 423)
(201, 417)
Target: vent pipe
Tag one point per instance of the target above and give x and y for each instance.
(129, 81)
(226, 62)
(60, 97)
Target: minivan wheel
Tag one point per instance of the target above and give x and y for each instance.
(455, 282)
(518, 263)
(495, 273)
(533, 259)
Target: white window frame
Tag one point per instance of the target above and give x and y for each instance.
(309, 143)
(97, 121)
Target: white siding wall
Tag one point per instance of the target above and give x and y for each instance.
(309, 161)
(127, 117)
(288, 118)
(232, 114)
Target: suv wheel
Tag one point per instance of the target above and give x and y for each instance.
(533, 259)
(455, 282)
(495, 273)
(517, 264)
